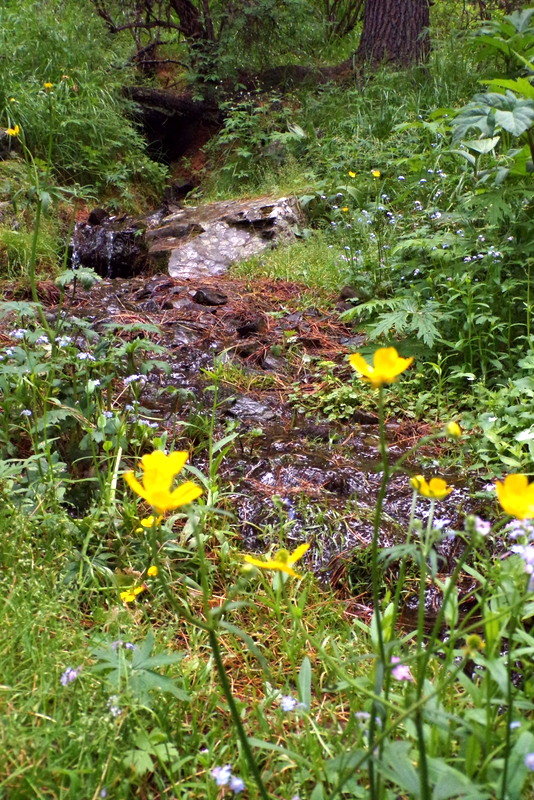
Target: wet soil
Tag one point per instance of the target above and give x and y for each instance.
(285, 477)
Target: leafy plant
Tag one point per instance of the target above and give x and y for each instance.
(132, 670)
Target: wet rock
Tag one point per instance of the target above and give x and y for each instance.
(246, 408)
(206, 240)
(348, 293)
(97, 216)
(252, 325)
(364, 418)
(151, 306)
(354, 341)
(246, 349)
(273, 363)
(114, 248)
(206, 296)
(177, 191)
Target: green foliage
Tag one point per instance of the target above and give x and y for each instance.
(509, 38)
(133, 670)
(81, 124)
(61, 382)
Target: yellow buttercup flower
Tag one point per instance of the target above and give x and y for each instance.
(435, 488)
(159, 471)
(376, 173)
(152, 571)
(345, 208)
(453, 429)
(282, 562)
(352, 174)
(516, 496)
(148, 522)
(387, 366)
(14, 131)
(129, 595)
(48, 86)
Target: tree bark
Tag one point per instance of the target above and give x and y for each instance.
(395, 31)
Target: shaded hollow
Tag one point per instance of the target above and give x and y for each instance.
(173, 123)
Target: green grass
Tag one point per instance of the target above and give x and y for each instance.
(63, 741)
(315, 262)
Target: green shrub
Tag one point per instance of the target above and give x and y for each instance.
(93, 141)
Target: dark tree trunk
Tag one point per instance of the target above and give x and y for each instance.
(395, 31)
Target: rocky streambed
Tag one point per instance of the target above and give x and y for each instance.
(287, 476)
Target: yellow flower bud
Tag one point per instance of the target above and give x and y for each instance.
(453, 429)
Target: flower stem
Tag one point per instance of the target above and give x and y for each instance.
(225, 684)
(377, 709)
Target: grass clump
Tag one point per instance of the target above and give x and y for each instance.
(79, 125)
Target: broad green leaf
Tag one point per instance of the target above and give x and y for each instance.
(449, 782)
(517, 769)
(517, 120)
(482, 145)
(139, 760)
(521, 86)
(304, 682)
(468, 156)
(346, 762)
(396, 765)
(521, 19)
(318, 792)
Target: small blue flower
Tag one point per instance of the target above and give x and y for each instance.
(288, 703)
(70, 675)
(236, 784)
(529, 761)
(25, 412)
(222, 775)
(133, 378)
(114, 709)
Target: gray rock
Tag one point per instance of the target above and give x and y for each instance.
(207, 296)
(250, 410)
(204, 241)
(194, 242)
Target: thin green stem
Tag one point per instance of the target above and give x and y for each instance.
(227, 690)
(210, 629)
(377, 708)
(509, 710)
(412, 709)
